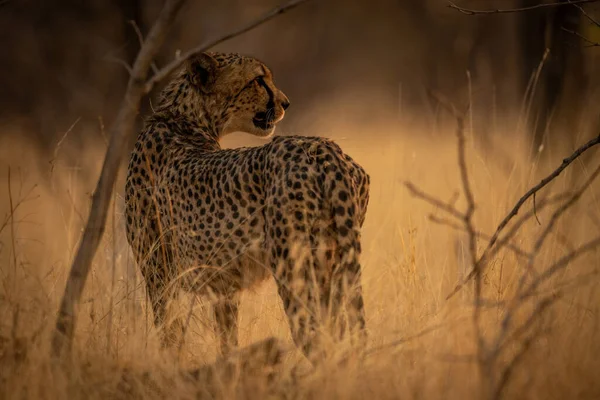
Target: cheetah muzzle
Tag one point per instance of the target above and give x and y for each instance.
(216, 221)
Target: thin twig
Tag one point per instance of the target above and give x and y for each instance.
(588, 16)
(173, 65)
(120, 62)
(504, 338)
(551, 223)
(24, 199)
(561, 210)
(500, 243)
(59, 144)
(535, 211)
(590, 43)
(468, 11)
(560, 264)
(448, 208)
(561, 288)
(137, 31)
(573, 283)
(441, 221)
(140, 37)
(516, 226)
(565, 163)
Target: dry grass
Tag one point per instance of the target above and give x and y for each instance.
(421, 345)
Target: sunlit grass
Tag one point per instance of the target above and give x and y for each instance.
(420, 344)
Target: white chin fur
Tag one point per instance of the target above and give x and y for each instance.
(266, 134)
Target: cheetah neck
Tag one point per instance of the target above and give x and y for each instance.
(196, 115)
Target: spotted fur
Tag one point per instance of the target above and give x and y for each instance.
(217, 221)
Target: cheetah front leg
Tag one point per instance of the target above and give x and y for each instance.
(226, 316)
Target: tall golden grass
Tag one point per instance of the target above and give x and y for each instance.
(420, 344)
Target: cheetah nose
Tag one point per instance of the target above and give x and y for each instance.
(285, 104)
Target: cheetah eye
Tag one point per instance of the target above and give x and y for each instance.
(258, 80)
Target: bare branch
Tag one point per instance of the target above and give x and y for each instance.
(137, 31)
(468, 11)
(590, 43)
(60, 142)
(173, 65)
(588, 16)
(119, 61)
(468, 216)
(448, 208)
(510, 368)
(516, 226)
(440, 221)
(120, 137)
(560, 264)
(140, 37)
(504, 338)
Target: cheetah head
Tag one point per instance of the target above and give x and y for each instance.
(238, 89)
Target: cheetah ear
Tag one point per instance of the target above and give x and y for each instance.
(202, 69)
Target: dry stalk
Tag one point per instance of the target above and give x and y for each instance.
(12, 228)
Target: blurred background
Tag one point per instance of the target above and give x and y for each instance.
(363, 73)
(360, 63)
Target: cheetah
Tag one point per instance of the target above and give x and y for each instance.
(216, 221)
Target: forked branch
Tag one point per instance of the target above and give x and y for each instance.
(515, 210)
(495, 371)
